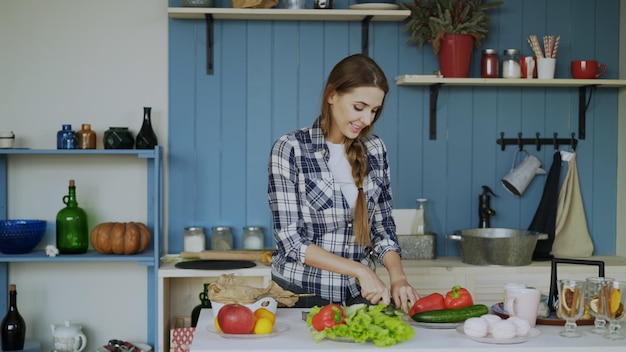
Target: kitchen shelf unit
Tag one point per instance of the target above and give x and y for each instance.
(209, 14)
(149, 258)
(435, 84)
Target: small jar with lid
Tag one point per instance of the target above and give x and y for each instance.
(510, 64)
(252, 237)
(221, 238)
(489, 64)
(195, 239)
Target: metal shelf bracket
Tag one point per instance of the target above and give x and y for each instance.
(583, 105)
(434, 94)
(365, 31)
(208, 18)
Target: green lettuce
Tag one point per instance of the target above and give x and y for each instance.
(366, 323)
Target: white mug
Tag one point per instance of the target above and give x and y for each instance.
(523, 303)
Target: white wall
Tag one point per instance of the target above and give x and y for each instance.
(81, 61)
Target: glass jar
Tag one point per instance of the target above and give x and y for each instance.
(252, 237)
(221, 238)
(510, 64)
(323, 4)
(489, 64)
(423, 218)
(86, 137)
(194, 239)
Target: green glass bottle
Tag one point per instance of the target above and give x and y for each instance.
(72, 233)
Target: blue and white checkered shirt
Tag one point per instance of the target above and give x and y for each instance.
(307, 207)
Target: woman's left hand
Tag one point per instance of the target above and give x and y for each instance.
(403, 294)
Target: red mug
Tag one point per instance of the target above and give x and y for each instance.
(528, 64)
(587, 69)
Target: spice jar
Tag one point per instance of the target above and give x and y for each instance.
(510, 64)
(194, 239)
(252, 237)
(489, 64)
(221, 238)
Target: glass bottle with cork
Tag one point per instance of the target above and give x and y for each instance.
(13, 325)
(71, 225)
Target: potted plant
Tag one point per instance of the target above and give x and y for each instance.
(451, 26)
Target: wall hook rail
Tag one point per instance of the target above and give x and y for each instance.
(537, 142)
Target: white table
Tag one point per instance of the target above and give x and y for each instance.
(298, 338)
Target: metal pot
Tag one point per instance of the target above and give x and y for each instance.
(497, 246)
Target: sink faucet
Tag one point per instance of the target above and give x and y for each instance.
(484, 208)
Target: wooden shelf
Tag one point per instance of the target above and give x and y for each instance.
(435, 83)
(209, 14)
(417, 80)
(287, 14)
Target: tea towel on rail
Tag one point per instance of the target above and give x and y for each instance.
(571, 238)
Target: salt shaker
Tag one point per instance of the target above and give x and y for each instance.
(510, 64)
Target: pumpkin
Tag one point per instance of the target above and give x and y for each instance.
(120, 237)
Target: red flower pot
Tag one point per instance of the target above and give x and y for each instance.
(455, 55)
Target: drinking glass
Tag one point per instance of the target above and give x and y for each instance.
(571, 305)
(613, 299)
(593, 289)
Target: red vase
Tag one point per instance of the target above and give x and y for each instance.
(455, 55)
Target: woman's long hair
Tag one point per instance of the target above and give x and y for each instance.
(352, 72)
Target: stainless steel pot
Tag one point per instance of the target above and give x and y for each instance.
(497, 246)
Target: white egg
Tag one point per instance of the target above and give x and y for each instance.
(476, 327)
(522, 325)
(504, 329)
(491, 319)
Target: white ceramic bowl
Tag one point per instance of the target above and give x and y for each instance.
(7, 139)
(268, 303)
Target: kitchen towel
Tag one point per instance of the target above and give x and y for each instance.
(544, 220)
(571, 238)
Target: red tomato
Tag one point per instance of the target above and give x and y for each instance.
(236, 319)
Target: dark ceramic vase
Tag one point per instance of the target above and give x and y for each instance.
(118, 138)
(146, 138)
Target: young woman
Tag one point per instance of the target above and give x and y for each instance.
(330, 197)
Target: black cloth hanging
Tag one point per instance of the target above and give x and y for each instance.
(544, 220)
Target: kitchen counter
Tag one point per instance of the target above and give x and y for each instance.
(298, 337)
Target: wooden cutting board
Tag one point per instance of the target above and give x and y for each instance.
(224, 255)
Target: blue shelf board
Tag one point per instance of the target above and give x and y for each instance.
(142, 153)
(145, 258)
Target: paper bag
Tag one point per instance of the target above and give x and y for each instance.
(571, 238)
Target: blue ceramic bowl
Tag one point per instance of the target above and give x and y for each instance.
(20, 236)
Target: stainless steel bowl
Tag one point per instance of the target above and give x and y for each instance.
(497, 246)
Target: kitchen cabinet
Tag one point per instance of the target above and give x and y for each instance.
(435, 83)
(179, 288)
(154, 204)
(210, 14)
(431, 340)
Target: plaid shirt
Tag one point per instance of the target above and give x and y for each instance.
(307, 207)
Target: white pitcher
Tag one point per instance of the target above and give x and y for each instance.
(521, 175)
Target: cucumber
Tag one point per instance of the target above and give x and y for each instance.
(451, 315)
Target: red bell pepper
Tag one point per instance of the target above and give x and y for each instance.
(458, 297)
(329, 316)
(433, 301)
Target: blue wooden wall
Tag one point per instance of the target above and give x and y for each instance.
(268, 80)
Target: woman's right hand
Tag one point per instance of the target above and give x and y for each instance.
(372, 287)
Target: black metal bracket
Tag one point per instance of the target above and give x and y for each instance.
(583, 104)
(209, 43)
(520, 142)
(434, 94)
(365, 34)
(553, 296)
